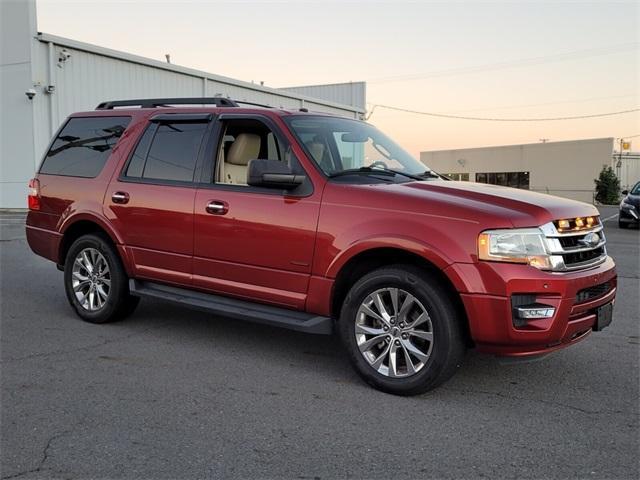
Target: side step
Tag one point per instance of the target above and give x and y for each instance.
(231, 307)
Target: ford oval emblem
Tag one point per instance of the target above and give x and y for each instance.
(590, 240)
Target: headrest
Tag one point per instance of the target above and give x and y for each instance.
(245, 147)
(316, 150)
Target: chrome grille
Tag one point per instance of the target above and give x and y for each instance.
(570, 242)
(582, 256)
(575, 249)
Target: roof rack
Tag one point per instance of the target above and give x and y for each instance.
(165, 102)
(243, 102)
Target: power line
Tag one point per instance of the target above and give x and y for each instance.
(523, 62)
(631, 136)
(546, 104)
(489, 119)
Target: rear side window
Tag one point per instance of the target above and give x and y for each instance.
(83, 146)
(136, 164)
(167, 151)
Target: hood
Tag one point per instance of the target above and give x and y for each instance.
(501, 205)
(633, 200)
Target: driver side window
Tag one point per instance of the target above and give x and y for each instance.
(242, 141)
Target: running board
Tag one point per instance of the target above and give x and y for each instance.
(231, 307)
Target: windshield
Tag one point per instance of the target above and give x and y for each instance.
(341, 145)
(636, 189)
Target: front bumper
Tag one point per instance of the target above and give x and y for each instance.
(629, 215)
(489, 309)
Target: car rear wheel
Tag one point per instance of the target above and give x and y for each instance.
(401, 330)
(95, 281)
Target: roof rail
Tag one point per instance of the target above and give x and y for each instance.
(254, 104)
(162, 102)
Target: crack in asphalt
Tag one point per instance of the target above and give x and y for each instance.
(43, 460)
(86, 347)
(546, 402)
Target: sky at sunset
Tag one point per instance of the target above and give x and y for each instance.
(500, 59)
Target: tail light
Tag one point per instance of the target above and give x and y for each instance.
(34, 194)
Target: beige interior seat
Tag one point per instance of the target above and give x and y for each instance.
(320, 154)
(245, 147)
(316, 150)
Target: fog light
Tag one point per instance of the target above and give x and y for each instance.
(535, 311)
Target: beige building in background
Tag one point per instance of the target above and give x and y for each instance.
(566, 169)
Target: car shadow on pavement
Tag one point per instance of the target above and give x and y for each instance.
(322, 355)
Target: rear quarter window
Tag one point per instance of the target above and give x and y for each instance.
(83, 146)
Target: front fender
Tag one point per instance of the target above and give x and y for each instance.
(396, 242)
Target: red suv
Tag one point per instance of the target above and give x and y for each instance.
(316, 223)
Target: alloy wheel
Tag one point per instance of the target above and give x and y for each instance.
(394, 332)
(91, 279)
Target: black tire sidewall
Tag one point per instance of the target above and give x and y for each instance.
(119, 290)
(448, 344)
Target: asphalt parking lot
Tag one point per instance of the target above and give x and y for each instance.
(173, 393)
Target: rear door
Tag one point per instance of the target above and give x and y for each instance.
(151, 201)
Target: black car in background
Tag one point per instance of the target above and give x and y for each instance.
(630, 207)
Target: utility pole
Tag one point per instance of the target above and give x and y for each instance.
(619, 162)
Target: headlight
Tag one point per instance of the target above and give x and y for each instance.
(524, 245)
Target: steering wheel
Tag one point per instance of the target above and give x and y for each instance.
(379, 163)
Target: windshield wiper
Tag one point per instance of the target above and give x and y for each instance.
(408, 175)
(377, 171)
(362, 170)
(430, 174)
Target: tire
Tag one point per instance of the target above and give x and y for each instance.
(622, 224)
(408, 333)
(93, 266)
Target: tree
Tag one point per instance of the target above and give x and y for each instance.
(607, 187)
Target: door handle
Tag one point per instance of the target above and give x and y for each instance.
(120, 197)
(217, 207)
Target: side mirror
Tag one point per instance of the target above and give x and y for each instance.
(625, 192)
(272, 174)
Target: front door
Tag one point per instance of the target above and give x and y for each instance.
(253, 242)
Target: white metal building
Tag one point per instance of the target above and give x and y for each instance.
(353, 93)
(44, 78)
(627, 168)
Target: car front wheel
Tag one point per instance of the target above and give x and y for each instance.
(402, 330)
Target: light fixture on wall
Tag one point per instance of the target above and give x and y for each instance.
(462, 162)
(63, 56)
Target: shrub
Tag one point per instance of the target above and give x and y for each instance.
(607, 187)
